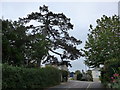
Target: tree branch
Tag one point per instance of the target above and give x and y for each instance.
(54, 51)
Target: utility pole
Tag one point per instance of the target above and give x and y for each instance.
(119, 8)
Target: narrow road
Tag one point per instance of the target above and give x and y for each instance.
(78, 85)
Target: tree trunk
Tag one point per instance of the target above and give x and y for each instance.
(39, 63)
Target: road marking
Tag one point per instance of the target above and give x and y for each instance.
(88, 86)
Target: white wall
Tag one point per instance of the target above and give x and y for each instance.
(96, 75)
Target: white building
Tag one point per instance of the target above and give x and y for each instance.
(96, 74)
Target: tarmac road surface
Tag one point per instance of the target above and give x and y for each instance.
(78, 85)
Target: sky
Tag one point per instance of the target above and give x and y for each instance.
(82, 14)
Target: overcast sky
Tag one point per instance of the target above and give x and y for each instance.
(82, 14)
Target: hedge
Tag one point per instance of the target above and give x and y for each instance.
(19, 77)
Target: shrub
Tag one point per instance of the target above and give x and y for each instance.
(115, 81)
(64, 75)
(111, 67)
(79, 76)
(19, 77)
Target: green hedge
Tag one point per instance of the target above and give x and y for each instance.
(18, 77)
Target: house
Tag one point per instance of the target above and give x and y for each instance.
(96, 74)
(64, 65)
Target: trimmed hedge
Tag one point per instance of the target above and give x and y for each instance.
(19, 77)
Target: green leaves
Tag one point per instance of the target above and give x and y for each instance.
(19, 47)
(13, 42)
(103, 41)
(35, 37)
(54, 28)
(21, 78)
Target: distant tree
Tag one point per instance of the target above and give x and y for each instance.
(79, 74)
(83, 72)
(103, 41)
(54, 27)
(89, 75)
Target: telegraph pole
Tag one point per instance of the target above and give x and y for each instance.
(119, 8)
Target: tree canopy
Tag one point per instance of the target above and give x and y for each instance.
(55, 29)
(12, 42)
(18, 48)
(103, 41)
(36, 37)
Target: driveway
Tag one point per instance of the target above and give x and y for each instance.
(78, 85)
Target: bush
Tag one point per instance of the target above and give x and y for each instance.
(79, 76)
(115, 81)
(64, 75)
(111, 67)
(19, 77)
(116, 85)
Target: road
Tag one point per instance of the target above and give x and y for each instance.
(78, 85)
